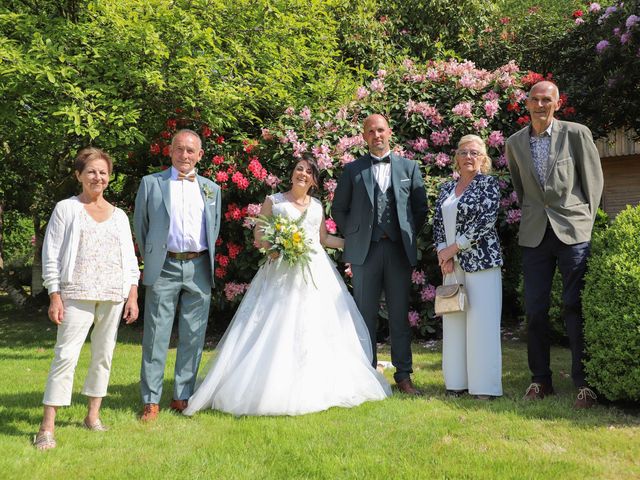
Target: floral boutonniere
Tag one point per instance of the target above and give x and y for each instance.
(207, 192)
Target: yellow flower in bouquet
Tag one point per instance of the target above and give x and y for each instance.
(287, 238)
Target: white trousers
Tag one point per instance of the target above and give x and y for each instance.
(471, 351)
(79, 315)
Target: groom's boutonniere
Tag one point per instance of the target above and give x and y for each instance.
(208, 193)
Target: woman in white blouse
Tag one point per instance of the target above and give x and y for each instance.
(464, 231)
(91, 273)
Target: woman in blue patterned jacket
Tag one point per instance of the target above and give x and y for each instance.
(469, 253)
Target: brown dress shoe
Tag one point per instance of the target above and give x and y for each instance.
(406, 386)
(178, 405)
(537, 391)
(150, 412)
(587, 398)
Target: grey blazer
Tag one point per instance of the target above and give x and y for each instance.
(572, 189)
(151, 220)
(353, 211)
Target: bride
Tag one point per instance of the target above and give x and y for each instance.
(294, 346)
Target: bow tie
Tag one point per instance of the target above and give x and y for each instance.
(376, 161)
(191, 177)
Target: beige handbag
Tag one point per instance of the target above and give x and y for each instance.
(451, 298)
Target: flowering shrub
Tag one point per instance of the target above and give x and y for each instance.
(429, 106)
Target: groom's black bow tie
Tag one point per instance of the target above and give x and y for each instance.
(375, 161)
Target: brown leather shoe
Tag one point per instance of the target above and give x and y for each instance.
(587, 398)
(406, 386)
(178, 405)
(537, 391)
(150, 412)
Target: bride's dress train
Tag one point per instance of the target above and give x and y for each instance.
(292, 348)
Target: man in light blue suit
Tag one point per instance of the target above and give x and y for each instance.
(176, 222)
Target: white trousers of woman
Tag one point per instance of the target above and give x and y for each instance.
(471, 351)
(79, 316)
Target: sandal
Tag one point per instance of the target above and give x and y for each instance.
(96, 426)
(44, 440)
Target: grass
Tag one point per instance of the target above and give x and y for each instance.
(401, 437)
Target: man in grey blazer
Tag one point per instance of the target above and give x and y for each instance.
(380, 206)
(556, 173)
(176, 222)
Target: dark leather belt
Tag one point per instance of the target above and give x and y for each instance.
(186, 255)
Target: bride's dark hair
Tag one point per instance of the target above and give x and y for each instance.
(315, 171)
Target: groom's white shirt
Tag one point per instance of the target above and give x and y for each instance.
(382, 172)
(187, 228)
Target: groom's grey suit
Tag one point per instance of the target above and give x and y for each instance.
(171, 282)
(380, 231)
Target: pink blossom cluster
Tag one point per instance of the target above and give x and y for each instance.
(253, 210)
(346, 143)
(491, 107)
(501, 161)
(346, 158)
(418, 277)
(442, 137)
(330, 185)
(290, 111)
(419, 144)
(305, 114)
(509, 200)
(290, 136)
(414, 318)
(428, 293)
(491, 95)
(513, 216)
(232, 290)
(463, 109)
(361, 93)
(480, 124)
(377, 85)
(299, 148)
(272, 180)
(427, 111)
(256, 169)
(330, 225)
(442, 160)
(321, 153)
(342, 113)
(495, 139)
(240, 180)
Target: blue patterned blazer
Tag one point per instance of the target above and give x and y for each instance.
(476, 233)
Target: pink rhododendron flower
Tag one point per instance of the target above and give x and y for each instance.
(424, 109)
(463, 109)
(419, 144)
(381, 73)
(594, 7)
(241, 182)
(491, 95)
(299, 148)
(442, 137)
(501, 161)
(222, 177)
(491, 107)
(377, 85)
(342, 113)
(346, 158)
(272, 180)
(361, 93)
(442, 160)
(290, 111)
(632, 21)
(428, 293)
(624, 38)
(330, 185)
(305, 114)
(480, 124)
(266, 134)
(513, 215)
(414, 318)
(579, 21)
(418, 277)
(496, 139)
(232, 290)
(330, 225)
(407, 63)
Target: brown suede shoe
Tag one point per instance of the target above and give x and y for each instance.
(406, 386)
(178, 405)
(587, 398)
(537, 391)
(150, 412)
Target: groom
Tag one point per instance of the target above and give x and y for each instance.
(176, 221)
(380, 206)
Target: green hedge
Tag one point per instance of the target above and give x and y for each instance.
(612, 311)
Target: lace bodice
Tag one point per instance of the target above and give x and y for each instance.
(311, 223)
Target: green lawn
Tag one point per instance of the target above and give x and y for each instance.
(430, 437)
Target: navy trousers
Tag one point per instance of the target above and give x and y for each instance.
(538, 267)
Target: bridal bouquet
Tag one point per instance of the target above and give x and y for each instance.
(287, 238)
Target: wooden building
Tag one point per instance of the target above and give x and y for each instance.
(620, 157)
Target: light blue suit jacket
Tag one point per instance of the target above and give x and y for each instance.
(151, 220)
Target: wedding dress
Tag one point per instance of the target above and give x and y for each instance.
(295, 345)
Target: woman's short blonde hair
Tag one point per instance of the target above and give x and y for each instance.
(89, 154)
(485, 165)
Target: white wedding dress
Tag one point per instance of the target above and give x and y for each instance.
(292, 347)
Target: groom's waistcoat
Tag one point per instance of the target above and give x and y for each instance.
(385, 216)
